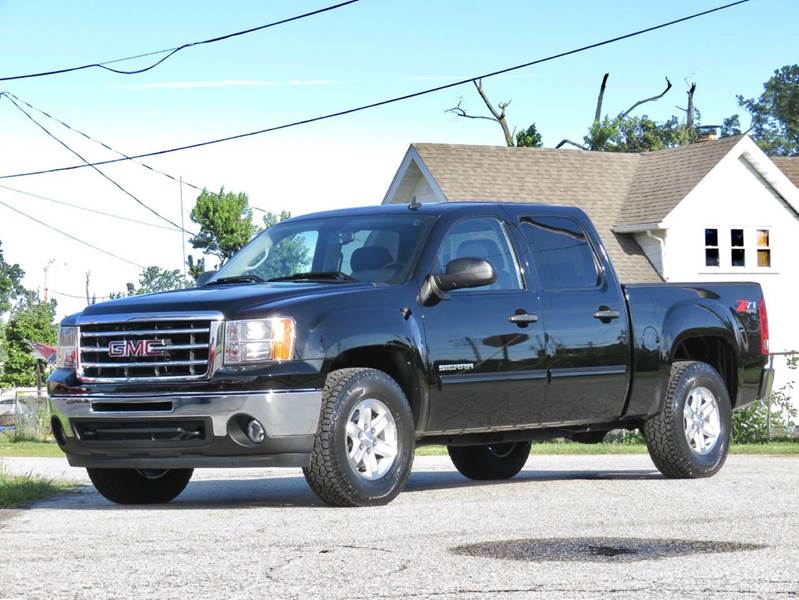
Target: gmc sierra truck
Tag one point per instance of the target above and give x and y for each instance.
(340, 341)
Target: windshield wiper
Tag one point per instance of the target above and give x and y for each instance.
(237, 279)
(332, 276)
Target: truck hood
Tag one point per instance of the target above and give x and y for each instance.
(233, 300)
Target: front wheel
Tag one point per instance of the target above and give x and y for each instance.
(363, 449)
(496, 461)
(690, 437)
(140, 486)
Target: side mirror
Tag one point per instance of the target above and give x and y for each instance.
(460, 273)
(203, 278)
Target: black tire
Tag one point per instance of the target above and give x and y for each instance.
(665, 433)
(499, 461)
(133, 486)
(329, 473)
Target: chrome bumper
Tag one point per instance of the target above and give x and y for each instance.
(282, 413)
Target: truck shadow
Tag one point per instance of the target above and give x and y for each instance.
(293, 491)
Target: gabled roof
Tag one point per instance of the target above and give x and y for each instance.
(663, 178)
(788, 165)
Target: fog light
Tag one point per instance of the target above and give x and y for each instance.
(255, 431)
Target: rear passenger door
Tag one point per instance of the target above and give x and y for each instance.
(584, 317)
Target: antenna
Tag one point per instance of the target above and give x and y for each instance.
(414, 204)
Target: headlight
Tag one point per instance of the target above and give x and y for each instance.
(258, 340)
(67, 348)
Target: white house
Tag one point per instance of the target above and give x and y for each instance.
(712, 211)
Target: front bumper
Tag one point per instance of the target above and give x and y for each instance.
(127, 431)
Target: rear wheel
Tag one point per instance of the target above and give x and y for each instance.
(690, 437)
(140, 486)
(496, 461)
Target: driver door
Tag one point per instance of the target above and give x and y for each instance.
(488, 371)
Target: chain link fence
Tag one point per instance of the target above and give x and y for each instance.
(24, 413)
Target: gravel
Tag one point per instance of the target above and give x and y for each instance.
(593, 526)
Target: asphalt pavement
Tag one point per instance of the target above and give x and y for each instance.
(567, 526)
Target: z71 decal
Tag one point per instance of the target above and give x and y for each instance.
(748, 307)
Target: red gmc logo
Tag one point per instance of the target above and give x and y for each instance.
(126, 348)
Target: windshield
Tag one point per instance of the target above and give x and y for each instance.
(370, 248)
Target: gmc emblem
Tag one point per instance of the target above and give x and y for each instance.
(126, 348)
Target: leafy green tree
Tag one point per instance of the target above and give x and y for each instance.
(637, 134)
(31, 320)
(225, 221)
(775, 114)
(196, 267)
(10, 282)
(529, 137)
(731, 126)
(155, 279)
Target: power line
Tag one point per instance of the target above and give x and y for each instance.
(96, 141)
(93, 166)
(84, 208)
(79, 297)
(172, 51)
(70, 236)
(390, 100)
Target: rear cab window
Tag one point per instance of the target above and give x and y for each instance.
(561, 253)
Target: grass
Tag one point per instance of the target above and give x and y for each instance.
(11, 447)
(566, 448)
(20, 490)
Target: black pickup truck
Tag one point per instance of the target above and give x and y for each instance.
(339, 341)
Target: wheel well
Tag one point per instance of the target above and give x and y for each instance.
(713, 351)
(395, 363)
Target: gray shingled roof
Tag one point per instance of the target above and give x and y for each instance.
(788, 165)
(613, 188)
(665, 177)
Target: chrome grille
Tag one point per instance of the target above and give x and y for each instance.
(183, 348)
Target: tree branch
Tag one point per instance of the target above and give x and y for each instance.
(499, 115)
(645, 100)
(459, 111)
(598, 111)
(568, 141)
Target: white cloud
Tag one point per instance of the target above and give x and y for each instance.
(174, 85)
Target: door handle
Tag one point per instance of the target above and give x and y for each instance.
(606, 314)
(522, 318)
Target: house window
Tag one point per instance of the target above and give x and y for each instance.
(712, 247)
(737, 251)
(763, 248)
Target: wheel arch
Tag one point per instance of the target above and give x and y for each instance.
(703, 332)
(401, 363)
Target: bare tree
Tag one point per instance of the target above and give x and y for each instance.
(690, 110)
(627, 112)
(497, 112)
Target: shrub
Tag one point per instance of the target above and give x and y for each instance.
(752, 423)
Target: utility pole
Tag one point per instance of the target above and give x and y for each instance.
(46, 274)
(182, 230)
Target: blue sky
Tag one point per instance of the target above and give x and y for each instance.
(368, 51)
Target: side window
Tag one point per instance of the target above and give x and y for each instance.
(561, 253)
(482, 238)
